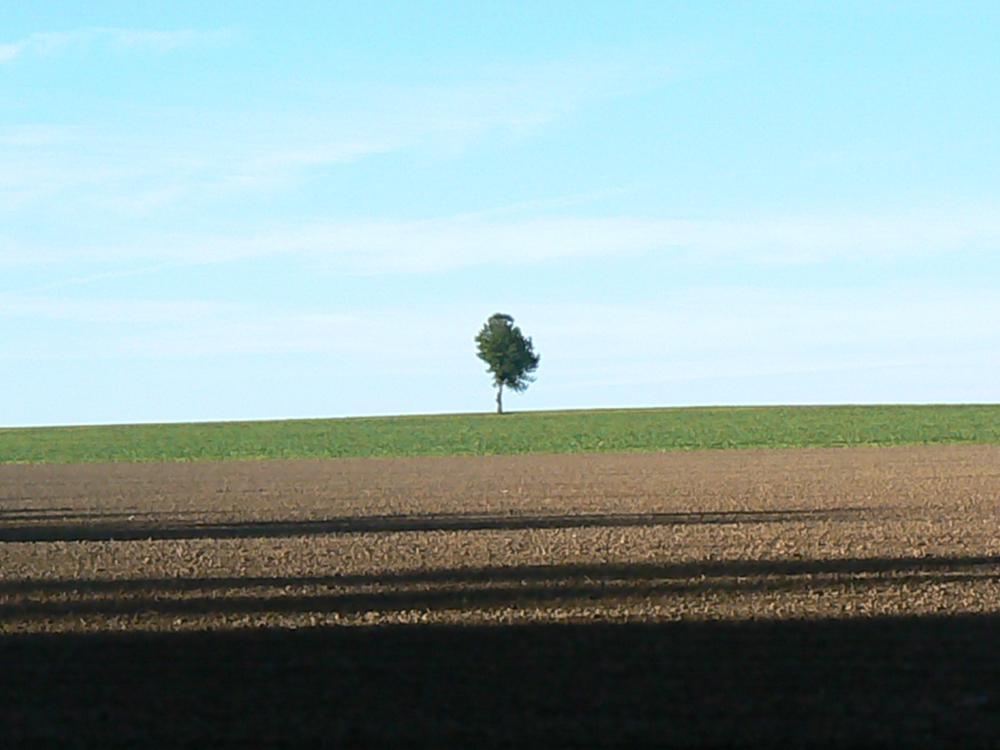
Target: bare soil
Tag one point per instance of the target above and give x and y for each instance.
(828, 596)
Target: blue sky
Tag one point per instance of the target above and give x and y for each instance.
(250, 210)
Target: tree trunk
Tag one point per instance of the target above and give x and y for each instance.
(499, 399)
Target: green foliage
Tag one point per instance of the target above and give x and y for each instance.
(530, 432)
(508, 354)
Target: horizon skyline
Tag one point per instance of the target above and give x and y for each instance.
(492, 413)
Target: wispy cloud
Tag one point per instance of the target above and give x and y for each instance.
(98, 173)
(439, 245)
(514, 98)
(164, 41)
(185, 157)
(84, 280)
(372, 246)
(11, 50)
(48, 42)
(695, 333)
(33, 136)
(130, 312)
(136, 327)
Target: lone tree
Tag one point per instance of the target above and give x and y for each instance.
(508, 354)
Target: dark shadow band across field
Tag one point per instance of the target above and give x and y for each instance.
(472, 589)
(702, 569)
(95, 526)
(929, 682)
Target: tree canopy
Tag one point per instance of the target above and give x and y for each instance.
(509, 355)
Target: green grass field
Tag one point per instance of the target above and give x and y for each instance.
(529, 432)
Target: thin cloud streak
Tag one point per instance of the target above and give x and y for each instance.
(388, 247)
(10, 51)
(122, 312)
(34, 136)
(132, 181)
(697, 327)
(94, 278)
(194, 158)
(48, 42)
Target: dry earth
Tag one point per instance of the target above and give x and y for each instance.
(821, 596)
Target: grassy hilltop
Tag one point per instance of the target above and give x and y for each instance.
(528, 432)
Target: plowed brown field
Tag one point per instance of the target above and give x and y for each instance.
(834, 595)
